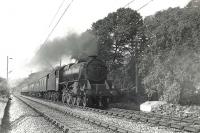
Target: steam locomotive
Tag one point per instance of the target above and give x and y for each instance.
(83, 83)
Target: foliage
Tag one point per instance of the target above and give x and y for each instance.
(170, 66)
(3, 86)
(119, 36)
(121, 42)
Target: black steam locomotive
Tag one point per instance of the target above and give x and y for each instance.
(83, 83)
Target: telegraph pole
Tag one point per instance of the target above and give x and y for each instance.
(136, 70)
(7, 69)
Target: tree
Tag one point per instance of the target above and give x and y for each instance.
(193, 4)
(121, 41)
(119, 36)
(3, 86)
(170, 65)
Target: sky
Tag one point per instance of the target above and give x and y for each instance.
(24, 25)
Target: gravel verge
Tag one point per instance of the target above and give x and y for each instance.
(22, 119)
(120, 122)
(75, 124)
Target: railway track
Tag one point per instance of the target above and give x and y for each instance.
(189, 124)
(62, 127)
(108, 126)
(180, 124)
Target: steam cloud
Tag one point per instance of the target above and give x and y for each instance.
(73, 45)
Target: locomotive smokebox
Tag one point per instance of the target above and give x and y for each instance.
(96, 70)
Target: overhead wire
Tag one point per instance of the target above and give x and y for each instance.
(58, 21)
(49, 34)
(144, 5)
(61, 4)
(139, 20)
(140, 7)
(129, 3)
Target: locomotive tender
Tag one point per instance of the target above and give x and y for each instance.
(83, 83)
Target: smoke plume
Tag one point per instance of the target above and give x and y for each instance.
(73, 46)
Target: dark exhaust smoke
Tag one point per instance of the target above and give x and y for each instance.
(73, 46)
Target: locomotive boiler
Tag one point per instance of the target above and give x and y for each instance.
(85, 83)
(82, 83)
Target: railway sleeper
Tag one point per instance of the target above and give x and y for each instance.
(179, 126)
(91, 121)
(191, 129)
(197, 122)
(114, 114)
(164, 123)
(113, 128)
(153, 121)
(119, 130)
(110, 113)
(105, 112)
(100, 111)
(97, 123)
(129, 111)
(120, 115)
(188, 120)
(104, 125)
(158, 116)
(176, 118)
(151, 115)
(142, 113)
(166, 117)
(136, 112)
(81, 117)
(143, 119)
(128, 116)
(135, 117)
